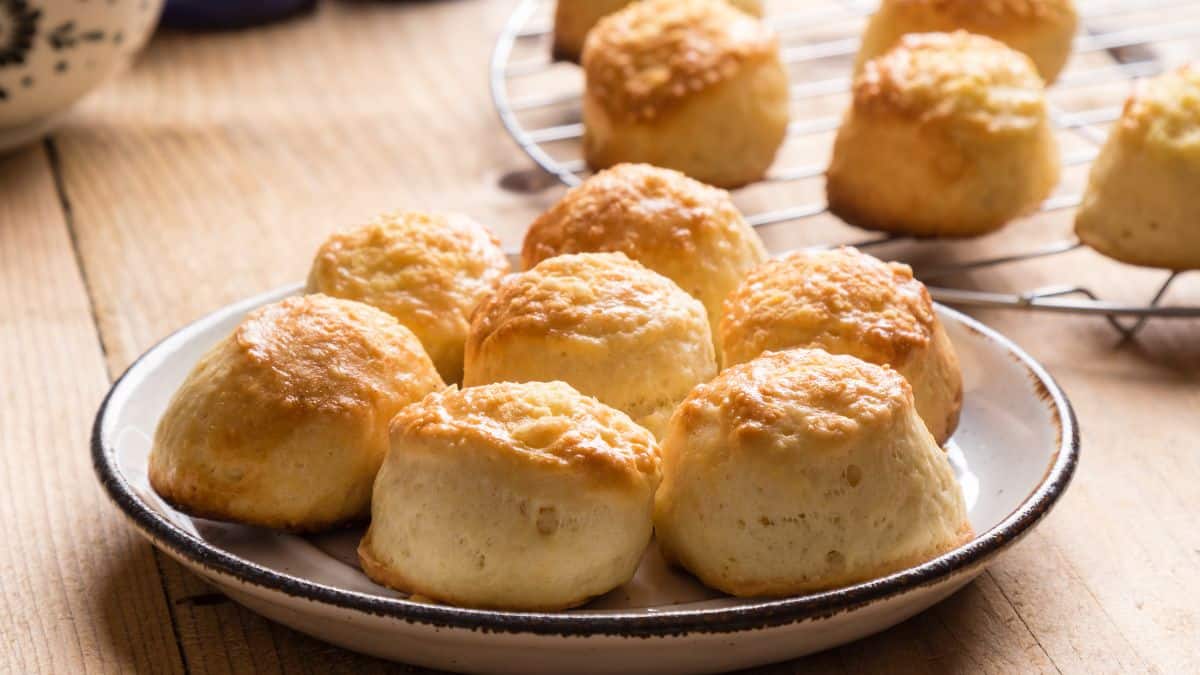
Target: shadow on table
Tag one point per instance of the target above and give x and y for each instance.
(210, 630)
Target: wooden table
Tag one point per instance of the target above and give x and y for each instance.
(212, 170)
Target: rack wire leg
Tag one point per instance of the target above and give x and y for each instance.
(1131, 332)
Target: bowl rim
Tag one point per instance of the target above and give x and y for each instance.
(753, 615)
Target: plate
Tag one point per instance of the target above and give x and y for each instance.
(1014, 453)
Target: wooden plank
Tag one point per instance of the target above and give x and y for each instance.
(212, 171)
(81, 590)
(215, 167)
(1122, 547)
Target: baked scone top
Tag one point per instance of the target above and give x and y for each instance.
(829, 298)
(780, 397)
(314, 353)
(1165, 111)
(545, 422)
(586, 294)
(631, 208)
(953, 76)
(646, 58)
(409, 262)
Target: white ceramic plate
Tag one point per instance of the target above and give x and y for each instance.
(1014, 452)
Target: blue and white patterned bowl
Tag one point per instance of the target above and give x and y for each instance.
(53, 52)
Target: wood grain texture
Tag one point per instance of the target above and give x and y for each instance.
(80, 589)
(213, 169)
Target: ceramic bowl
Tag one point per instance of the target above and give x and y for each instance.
(1014, 453)
(53, 52)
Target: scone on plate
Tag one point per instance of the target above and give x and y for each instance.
(1043, 30)
(848, 302)
(512, 496)
(600, 322)
(429, 270)
(574, 18)
(284, 422)
(691, 85)
(802, 471)
(947, 135)
(1142, 204)
(676, 226)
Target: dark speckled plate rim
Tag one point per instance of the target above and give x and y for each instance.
(753, 616)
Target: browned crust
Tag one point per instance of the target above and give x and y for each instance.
(644, 60)
(918, 77)
(601, 442)
(893, 314)
(631, 208)
(839, 395)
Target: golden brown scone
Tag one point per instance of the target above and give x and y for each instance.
(1043, 30)
(284, 422)
(429, 270)
(947, 136)
(574, 18)
(692, 85)
(525, 496)
(600, 322)
(848, 302)
(678, 227)
(1142, 204)
(802, 471)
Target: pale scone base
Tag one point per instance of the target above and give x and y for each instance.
(393, 578)
(765, 590)
(954, 185)
(1142, 210)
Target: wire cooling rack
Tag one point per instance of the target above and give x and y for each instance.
(538, 101)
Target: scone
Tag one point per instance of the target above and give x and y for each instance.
(1142, 204)
(1043, 30)
(691, 85)
(802, 471)
(848, 302)
(429, 270)
(512, 496)
(600, 322)
(574, 18)
(678, 227)
(284, 422)
(947, 136)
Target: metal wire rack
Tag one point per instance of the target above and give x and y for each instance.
(1120, 40)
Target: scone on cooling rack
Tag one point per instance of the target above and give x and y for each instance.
(802, 471)
(429, 270)
(947, 135)
(574, 18)
(691, 85)
(676, 226)
(525, 496)
(1043, 30)
(848, 302)
(284, 423)
(1142, 204)
(600, 322)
